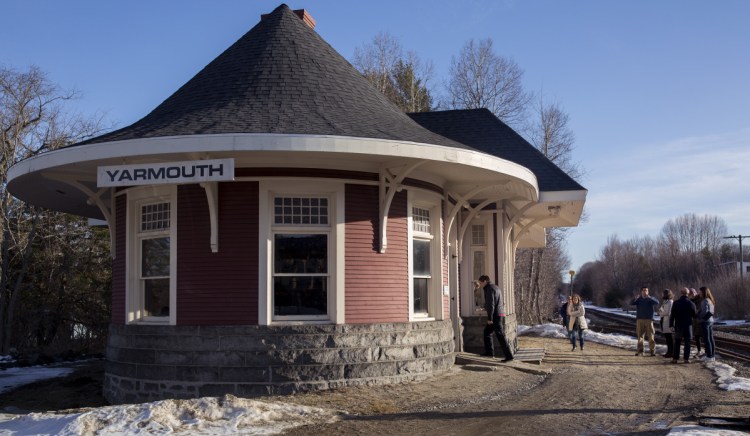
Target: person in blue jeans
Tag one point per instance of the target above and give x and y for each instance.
(576, 320)
(706, 320)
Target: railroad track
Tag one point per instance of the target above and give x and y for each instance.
(613, 323)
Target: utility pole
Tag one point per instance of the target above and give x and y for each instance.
(742, 261)
(572, 273)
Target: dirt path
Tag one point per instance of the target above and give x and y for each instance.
(600, 390)
(603, 390)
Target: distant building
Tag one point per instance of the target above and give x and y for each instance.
(278, 225)
(738, 267)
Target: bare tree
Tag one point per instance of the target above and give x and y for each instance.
(692, 234)
(689, 252)
(480, 78)
(411, 77)
(31, 121)
(537, 278)
(378, 59)
(550, 133)
(404, 80)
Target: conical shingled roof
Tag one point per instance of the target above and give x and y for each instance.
(482, 130)
(280, 77)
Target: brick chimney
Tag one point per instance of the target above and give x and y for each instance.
(303, 15)
(307, 18)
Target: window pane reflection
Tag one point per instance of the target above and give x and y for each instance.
(156, 297)
(420, 296)
(305, 254)
(300, 295)
(421, 258)
(155, 257)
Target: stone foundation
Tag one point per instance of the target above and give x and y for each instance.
(148, 363)
(473, 331)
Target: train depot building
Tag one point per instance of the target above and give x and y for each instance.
(278, 225)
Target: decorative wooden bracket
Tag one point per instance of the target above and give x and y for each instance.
(514, 217)
(212, 196)
(94, 198)
(462, 201)
(390, 183)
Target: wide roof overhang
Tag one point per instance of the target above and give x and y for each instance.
(65, 179)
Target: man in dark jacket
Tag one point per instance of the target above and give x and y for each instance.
(681, 322)
(495, 307)
(644, 320)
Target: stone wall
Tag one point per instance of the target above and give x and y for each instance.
(147, 363)
(473, 330)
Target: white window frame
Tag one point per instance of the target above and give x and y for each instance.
(479, 248)
(334, 192)
(432, 203)
(134, 301)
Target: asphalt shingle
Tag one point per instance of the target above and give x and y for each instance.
(280, 77)
(482, 130)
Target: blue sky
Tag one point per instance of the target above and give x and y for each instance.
(657, 91)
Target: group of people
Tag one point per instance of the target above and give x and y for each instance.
(690, 316)
(694, 310)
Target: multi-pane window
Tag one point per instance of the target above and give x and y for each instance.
(154, 217)
(154, 251)
(420, 219)
(421, 260)
(477, 235)
(301, 255)
(300, 210)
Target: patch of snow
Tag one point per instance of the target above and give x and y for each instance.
(208, 415)
(13, 377)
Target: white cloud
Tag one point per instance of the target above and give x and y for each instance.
(636, 190)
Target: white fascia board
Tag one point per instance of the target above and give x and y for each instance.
(560, 196)
(228, 143)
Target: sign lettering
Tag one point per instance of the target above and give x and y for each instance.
(169, 172)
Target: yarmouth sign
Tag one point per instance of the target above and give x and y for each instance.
(167, 172)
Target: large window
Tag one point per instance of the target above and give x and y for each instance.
(424, 256)
(151, 266)
(421, 260)
(301, 251)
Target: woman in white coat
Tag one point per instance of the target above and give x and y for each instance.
(664, 310)
(576, 320)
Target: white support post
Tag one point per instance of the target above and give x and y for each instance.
(212, 196)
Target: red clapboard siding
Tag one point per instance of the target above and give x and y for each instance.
(118, 263)
(218, 288)
(377, 288)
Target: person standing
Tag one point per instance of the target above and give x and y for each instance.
(681, 320)
(706, 320)
(495, 307)
(577, 320)
(644, 318)
(697, 332)
(565, 317)
(664, 310)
